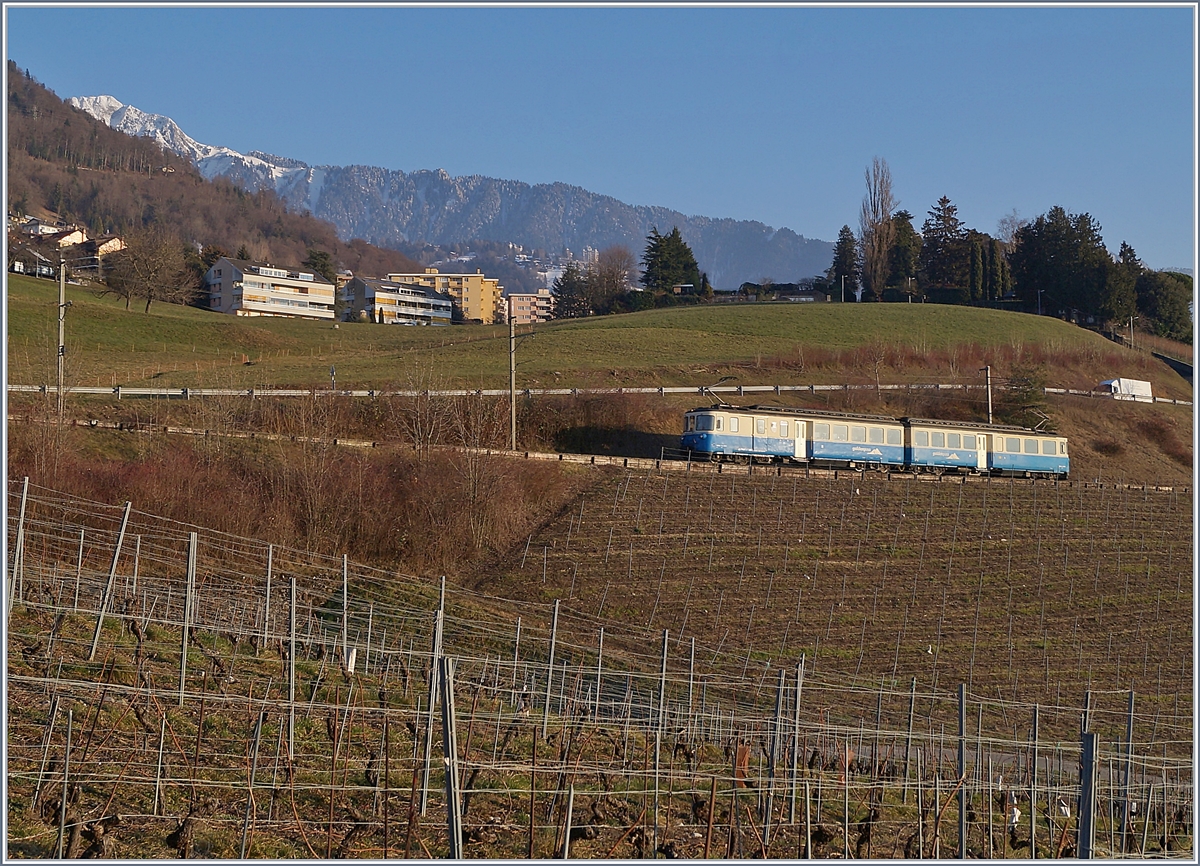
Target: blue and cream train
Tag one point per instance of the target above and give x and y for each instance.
(822, 438)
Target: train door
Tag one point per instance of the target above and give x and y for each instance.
(984, 460)
(799, 451)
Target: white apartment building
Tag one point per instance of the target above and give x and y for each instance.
(245, 288)
(390, 303)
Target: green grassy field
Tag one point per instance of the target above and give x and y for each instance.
(180, 346)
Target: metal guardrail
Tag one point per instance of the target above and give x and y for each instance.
(121, 391)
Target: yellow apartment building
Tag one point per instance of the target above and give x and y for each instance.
(476, 296)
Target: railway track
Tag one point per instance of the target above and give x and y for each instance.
(664, 463)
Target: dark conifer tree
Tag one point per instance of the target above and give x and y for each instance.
(668, 262)
(845, 264)
(945, 259)
(571, 293)
(905, 254)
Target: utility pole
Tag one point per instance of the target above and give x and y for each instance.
(512, 382)
(843, 288)
(62, 317)
(987, 372)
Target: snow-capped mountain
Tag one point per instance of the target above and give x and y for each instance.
(386, 207)
(290, 178)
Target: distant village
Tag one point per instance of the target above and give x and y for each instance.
(446, 292)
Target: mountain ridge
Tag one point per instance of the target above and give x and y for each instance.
(387, 207)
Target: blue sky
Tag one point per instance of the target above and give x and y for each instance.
(770, 114)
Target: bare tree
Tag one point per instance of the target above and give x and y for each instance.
(152, 266)
(876, 232)
(424, 419)
(610, 276)
(1007, 228)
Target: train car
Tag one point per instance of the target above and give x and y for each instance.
(941, 446)
(854, 440)
(1017, 451)
(742, 433)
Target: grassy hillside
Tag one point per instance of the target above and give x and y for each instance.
(177, 347)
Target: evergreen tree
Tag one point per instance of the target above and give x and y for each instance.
(945, 258)
(845, 264)
(1119, 298)
(999, 280)
(1063, 256)
(976, 243)
(905, 254)
(1162, 301)
(668, 262)
(571, 293)
(321, 262)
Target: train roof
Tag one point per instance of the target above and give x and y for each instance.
(876, 419)
(795, 410)
(977, 425)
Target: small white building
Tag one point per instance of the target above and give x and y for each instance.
(245, 288)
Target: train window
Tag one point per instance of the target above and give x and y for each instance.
(858, 434)
(760, 426)
(1048, 446)
(783, 429)
(1031, 446)
(1062, 448)
(875, 435)
(953, 440)
(820, 432)
(893, 437)
(969, 442)
(1011, 445)
(840, 432)
(938, 439)
(706, 422)
(733, 425)
(921, 438)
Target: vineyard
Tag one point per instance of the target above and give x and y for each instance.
(681, 663)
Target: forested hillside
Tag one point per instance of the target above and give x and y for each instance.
(64, 162)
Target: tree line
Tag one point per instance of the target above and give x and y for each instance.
(1056, 264)
(669, 276)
